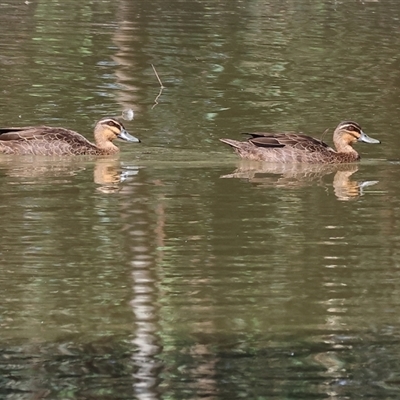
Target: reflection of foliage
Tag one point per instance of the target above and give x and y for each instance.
(268, 366)
(98, 369)
(38, 66)
(284, 366)
(54, 27)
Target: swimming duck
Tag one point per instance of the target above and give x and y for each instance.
(47, 140)
(299, 148)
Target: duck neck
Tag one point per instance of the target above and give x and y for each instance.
(343, 144)
(344, 147)
(104, 145)
(345, 151)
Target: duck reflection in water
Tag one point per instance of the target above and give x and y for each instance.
(108, 173)
(293, 176)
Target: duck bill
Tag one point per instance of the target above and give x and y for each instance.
(124, 135)
(366, 139)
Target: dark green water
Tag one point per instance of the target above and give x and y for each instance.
(175, 271)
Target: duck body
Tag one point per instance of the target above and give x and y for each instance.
(47, 140)
(299, 148)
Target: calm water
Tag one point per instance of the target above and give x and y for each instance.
(176, 271)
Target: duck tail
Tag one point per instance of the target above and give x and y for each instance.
(233, 143)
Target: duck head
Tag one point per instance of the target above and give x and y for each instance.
(109, 129)
(347, 133)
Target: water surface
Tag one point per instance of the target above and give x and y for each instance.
(176, 270)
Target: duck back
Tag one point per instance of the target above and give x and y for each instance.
(43, 140)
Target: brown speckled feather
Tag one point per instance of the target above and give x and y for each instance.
(46, 140)
(299, 148)
(296, 140)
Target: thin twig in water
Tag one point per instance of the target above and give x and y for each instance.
(161, 86)
(158, 78)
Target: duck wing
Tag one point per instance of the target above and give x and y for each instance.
(42, 133)
(279, 140)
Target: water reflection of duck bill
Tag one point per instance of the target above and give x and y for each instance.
(294, 176)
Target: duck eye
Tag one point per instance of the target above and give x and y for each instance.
(354, 129)
(114, 124)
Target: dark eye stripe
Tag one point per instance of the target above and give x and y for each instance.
(113, 123)
(351, 127)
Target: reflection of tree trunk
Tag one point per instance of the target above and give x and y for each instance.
(145, 293)
(146, 278)
(146, 333)
(123, 57)
(204, 374)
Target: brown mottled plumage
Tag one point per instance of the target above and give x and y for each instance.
(298, 148)
(47, 140)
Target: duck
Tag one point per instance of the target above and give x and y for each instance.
(48, 140)
(299, 148)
